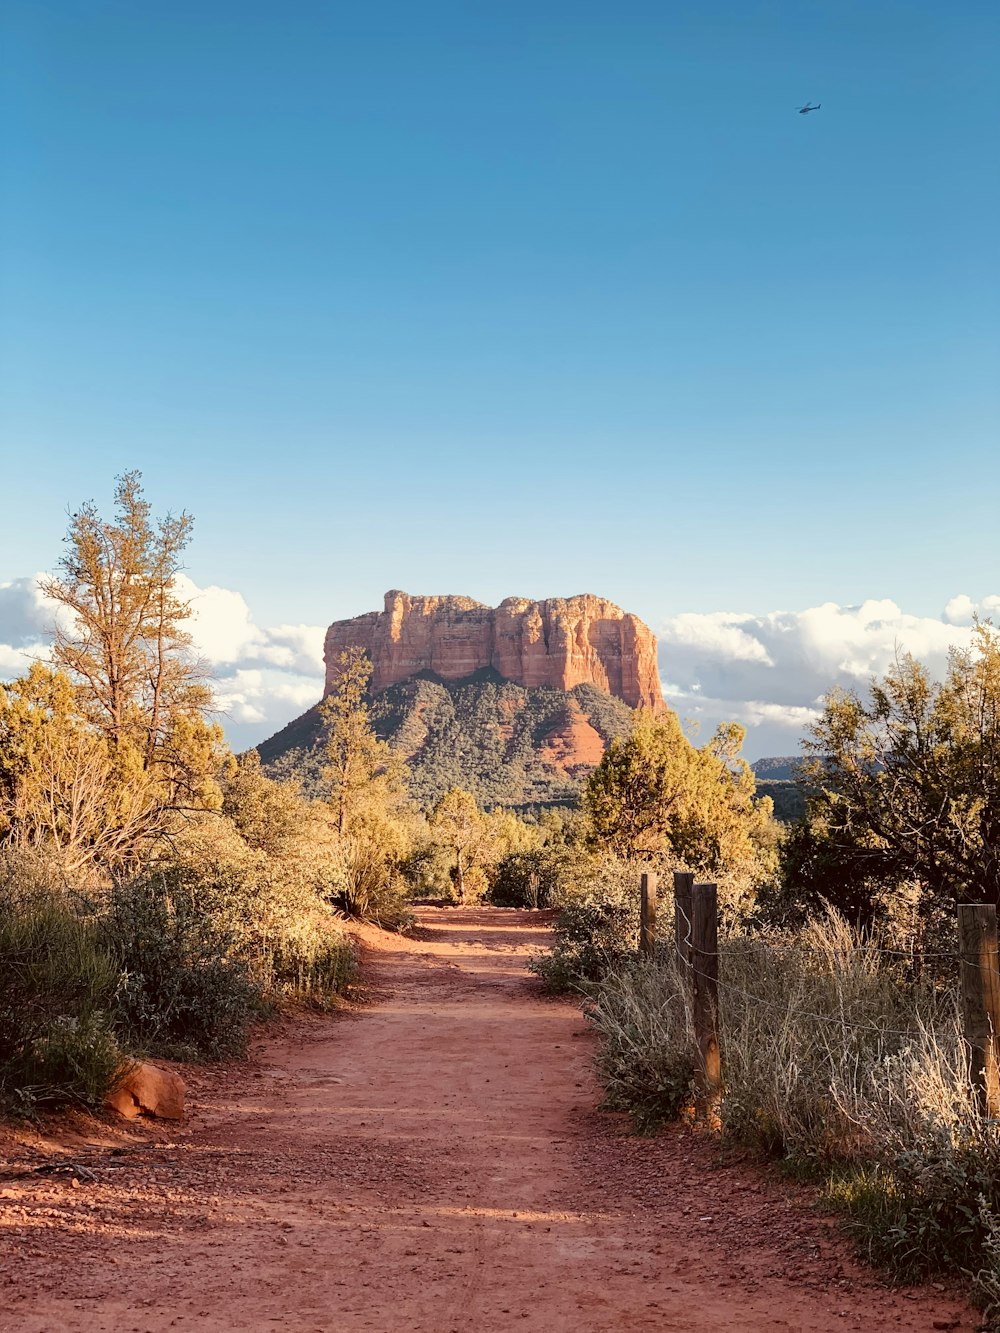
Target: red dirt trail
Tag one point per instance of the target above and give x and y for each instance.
(432, 1163)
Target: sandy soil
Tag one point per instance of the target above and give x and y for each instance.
(433, 1162)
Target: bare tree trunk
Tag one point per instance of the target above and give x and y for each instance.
(459, 875)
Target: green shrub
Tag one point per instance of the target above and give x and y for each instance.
(923, 1189)
(986, 1291)
(314, 962)
(425, 871)
(597, 926)
(268, 914)
(475, 885)
(57, 996)
(929, 1207)
(183, 992)
(74, 1059)
(532, 878)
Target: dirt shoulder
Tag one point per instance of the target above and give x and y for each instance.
(431, 1163)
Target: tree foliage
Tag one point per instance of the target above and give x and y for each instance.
(361, 772)
(656, 796)
(457, 824)
(268, 815)
(368, 800)
(123, 643)
(905, 785)
(100, 753)
(59, 786)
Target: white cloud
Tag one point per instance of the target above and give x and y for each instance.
(961, 610)
(295, 647)
(770, 672)
(15, 661)
(220, 622)
(252, 695)
(26, 620)
(721, 633)
(262, 676)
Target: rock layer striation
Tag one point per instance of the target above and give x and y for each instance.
(557, 643)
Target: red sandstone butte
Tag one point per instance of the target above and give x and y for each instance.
(556, 643)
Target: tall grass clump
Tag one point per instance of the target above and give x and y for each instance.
(801, 1016)
(369, 886)
(57, 997)
(648, 1049)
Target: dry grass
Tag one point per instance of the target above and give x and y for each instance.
(57, 996)
(842, 1063)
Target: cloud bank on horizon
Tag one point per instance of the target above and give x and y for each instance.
(767, 671)
(770, 672)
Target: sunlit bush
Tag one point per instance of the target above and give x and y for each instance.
(597, 926)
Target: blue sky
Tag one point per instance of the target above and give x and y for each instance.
(510, 298)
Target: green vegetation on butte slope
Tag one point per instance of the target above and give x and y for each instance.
(780, 777)
(507, 744)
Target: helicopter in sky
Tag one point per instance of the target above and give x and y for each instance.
(804, 110)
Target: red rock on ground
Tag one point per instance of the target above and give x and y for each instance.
(148, 1090)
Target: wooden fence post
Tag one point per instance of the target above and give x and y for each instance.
(647, 912)
(683, 886)
(705, 966)
(980, 976)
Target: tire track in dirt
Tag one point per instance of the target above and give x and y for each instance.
(432, 1163)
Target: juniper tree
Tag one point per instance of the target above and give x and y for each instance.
(904, 784)
(656, 797)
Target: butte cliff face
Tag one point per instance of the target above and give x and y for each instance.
(556, 644)
(515, 703)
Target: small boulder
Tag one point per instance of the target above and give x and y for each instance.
(144, 1089)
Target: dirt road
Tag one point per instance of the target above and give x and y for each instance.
(433, 1163)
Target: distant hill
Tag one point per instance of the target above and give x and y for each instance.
(516, 703)
(778, 768)
(788, 797)
(509, 744)
(777, 777)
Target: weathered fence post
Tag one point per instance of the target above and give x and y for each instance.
(683, 885)
(980, 976)
(647, 912)
(705, 966)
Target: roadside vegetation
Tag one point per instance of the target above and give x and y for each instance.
(157, 894)
(839, 1017)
